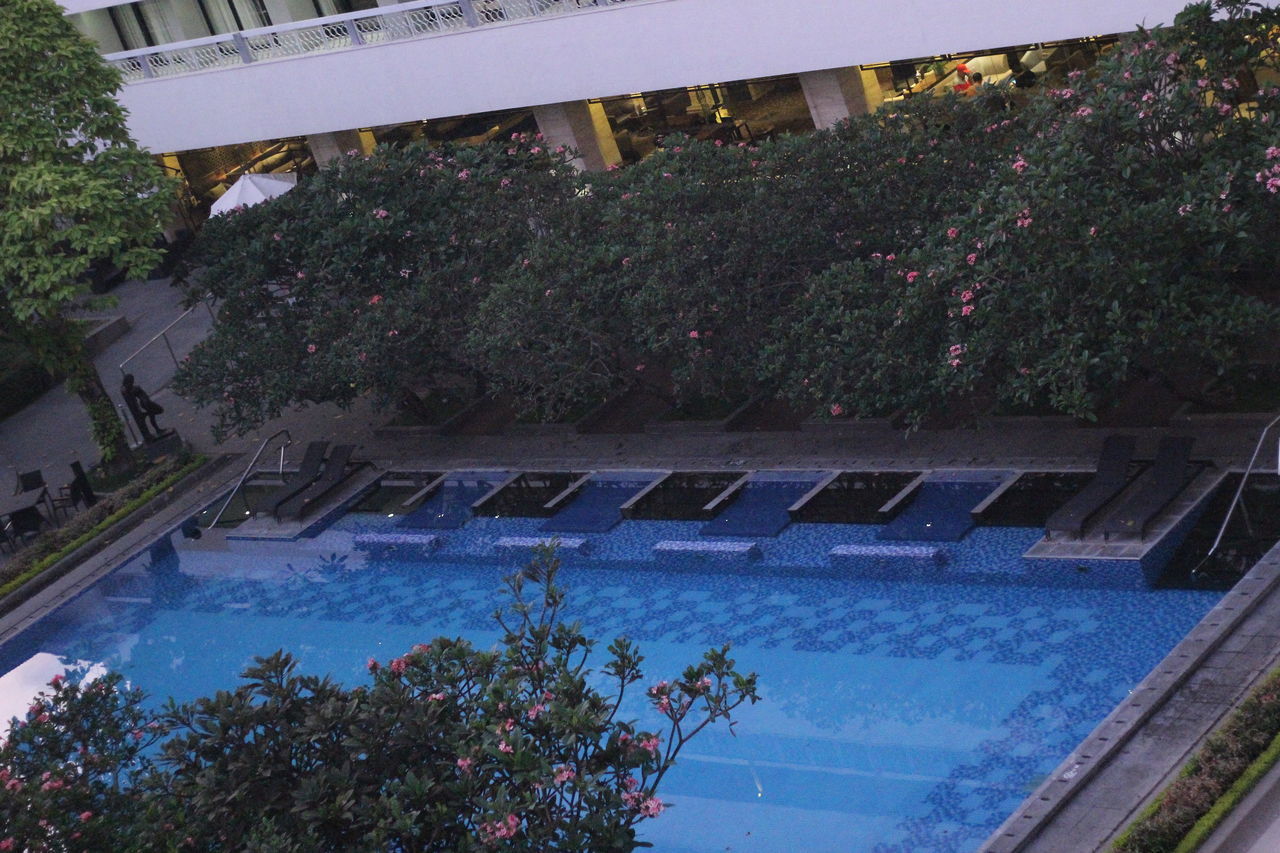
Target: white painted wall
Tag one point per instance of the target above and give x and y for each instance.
(609, 51)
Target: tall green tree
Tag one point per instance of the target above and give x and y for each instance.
(74, 189)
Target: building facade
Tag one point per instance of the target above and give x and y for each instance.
(218, 86)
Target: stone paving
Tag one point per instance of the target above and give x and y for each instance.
(1079, 808)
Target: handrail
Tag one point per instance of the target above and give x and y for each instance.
(164, 333)
(249, 470)
(1240, 488)
(379, 25)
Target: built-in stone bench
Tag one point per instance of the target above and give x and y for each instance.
(888, 556)
(524, 544)
(385, 543)
(708, 550)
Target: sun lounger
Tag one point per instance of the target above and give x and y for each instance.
(312, 463)
(335, 471)
(1152, 492)
(1111, 477)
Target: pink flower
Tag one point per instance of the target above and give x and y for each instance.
(503, 746)
(372, 665)
(301, 274)
(276, 236)
(640, 367)
(1019, 165)
(536, 710)
(966, 310)
(649, 744)
(381, 214)
(564, 773)
(626, 262)
(435, 697)
(955, 349)
(966, 296)
(398, 666)
(837, 410)
(524, 263)
(85, 817)
(693, 333)
(505, 182)
(1024, 370)
(912, 276)
(890, 257)
(375, 299)
(1093, 231)
(1225, 109)
(972, 258)
(1084, 111)
(464, 764)
(612, 167)
(1184, 209)
(7, 844)
(666, 174)
(953, 233)
(537, 149)
(652, 807)
(1273, 153)
(405, 273)
(465, 174)
(955, 362)
(393, 333)
(362, 356)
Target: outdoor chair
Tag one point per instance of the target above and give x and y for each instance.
(1168, 476)
(26, 523)
(335, 471)
(1111, 477)
(308, 471)
(33, 481)
(79, 492)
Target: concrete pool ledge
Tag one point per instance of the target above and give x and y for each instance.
(1143, 743)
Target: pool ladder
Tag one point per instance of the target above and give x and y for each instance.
(249, 470)
(1239, 491)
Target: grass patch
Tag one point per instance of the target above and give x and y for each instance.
(57, 544)
(1231, 761)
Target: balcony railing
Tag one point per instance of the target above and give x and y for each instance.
(336, 32)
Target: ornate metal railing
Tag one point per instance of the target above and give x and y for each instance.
(336, 32)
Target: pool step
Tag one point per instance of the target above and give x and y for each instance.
(708, 550)
(888, 556)
(404, 543)
(522, 544)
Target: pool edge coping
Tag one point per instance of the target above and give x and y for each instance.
(1105, 743)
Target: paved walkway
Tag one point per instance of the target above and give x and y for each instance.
(1226, 657)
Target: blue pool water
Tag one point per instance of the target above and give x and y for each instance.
(941, 511)
(598, 507)
(760, 507)
(906, 712)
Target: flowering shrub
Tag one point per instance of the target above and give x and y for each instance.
(1118, 224)
(451, 748)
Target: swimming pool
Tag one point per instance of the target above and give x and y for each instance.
(904, 710)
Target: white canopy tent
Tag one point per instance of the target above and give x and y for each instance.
(251, 189)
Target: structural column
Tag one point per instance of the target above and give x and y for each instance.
(326, 147)
(582, 126)
(838, 93)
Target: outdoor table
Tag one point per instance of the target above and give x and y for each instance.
(10, 504)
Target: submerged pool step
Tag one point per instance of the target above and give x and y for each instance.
(888, 556)
(523, 544)
(708, 550)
